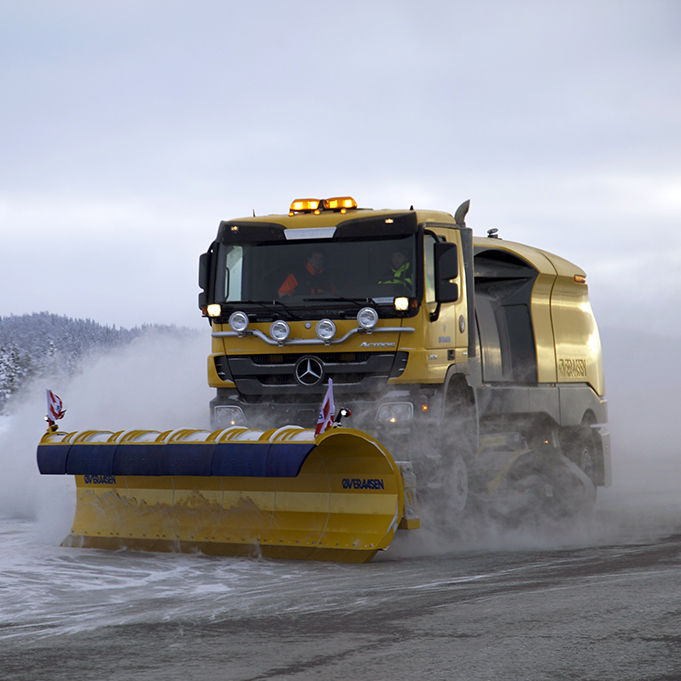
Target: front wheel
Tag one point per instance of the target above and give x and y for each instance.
(456, 486)
(446, 494)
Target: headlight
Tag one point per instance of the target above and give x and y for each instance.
(238, 321)
(214, 310)
(280, 330)
(401, 303)
(395, 412)
(325, 329)
(367, 318)
(224, 416)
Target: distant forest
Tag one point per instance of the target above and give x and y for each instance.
(42, 343)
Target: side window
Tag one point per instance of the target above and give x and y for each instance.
(428, 249)
(233, 271)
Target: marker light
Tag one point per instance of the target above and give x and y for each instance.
(339, 202)
(214, 310)
(238, 321)
(280, 330)
(580, 279)
(367, 318)
(304, 205)
(401, 303)
(325, 330)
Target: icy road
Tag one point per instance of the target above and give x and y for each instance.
(601, 602)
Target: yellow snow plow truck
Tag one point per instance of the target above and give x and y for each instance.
(471, 368)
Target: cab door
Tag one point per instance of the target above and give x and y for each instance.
(446, 325)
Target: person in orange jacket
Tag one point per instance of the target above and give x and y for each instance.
(312, 280)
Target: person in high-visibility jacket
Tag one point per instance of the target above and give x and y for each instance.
(311, 280)
(400, 271)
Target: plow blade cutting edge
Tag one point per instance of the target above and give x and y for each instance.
(281, 493)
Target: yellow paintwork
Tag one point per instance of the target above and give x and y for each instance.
(566, 335)
(314, 515)
(427, 345)
(331, 218)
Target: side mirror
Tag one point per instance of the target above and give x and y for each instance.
(204, 277)
(446, 257)
(204, 263)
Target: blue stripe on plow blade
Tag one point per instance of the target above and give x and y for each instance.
(275, 460)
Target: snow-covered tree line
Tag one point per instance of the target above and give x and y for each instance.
(41, 343)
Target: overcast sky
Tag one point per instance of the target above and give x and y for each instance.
(130, 129)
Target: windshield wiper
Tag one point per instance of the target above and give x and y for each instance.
(341, 299)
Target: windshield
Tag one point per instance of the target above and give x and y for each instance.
(300, 272)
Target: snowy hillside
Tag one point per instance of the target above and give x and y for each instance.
(42, 343)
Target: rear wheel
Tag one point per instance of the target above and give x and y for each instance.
(585, 451)
(579, 445)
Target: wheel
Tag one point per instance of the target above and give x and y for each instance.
(444, 489)
(456, 486)
(585, 453)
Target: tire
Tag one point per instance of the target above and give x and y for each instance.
(585, 454)
(457, 487)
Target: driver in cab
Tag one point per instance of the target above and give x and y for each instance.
(311, 280)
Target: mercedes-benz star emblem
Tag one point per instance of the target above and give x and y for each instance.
(308, 371)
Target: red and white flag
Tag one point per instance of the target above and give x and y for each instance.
(55, 408)
(327, 411)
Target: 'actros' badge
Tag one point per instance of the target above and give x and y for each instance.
(308, 371)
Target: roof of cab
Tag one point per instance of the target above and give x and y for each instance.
(329, 218)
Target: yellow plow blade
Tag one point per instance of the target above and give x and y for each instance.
(280, 493)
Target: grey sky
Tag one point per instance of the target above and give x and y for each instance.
(129, 129)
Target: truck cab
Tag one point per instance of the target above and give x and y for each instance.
(385, 319)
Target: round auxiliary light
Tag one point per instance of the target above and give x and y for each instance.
(325, 329)
(367, 318)
(238, 321)
(280, 330)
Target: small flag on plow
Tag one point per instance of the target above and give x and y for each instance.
(326, 413)
(55, 410)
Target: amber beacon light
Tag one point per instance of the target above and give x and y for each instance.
(339, 203)
(336, 203)
(304, 205)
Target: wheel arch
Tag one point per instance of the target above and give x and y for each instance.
(457, 393)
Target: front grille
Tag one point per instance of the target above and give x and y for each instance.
(328, 357)
(274, 374)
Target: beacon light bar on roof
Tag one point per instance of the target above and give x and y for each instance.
(335, 203)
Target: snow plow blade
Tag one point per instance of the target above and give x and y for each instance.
(281, 493)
